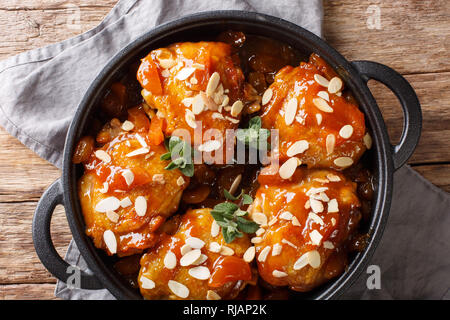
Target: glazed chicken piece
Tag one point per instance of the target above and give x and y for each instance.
(195, 262)
(316, 122)
(305, 223)
(125, 192)
(194, 86)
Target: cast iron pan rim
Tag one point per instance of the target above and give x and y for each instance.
(353, 79)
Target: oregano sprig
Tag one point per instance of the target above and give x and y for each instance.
(254, 135)
(180, 152)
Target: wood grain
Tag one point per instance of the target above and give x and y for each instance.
(413, 39)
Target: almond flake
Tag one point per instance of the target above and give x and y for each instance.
(335, 85)
(195, 243)
(112, 216)
(312, 191)
(235, 184)
(125, 202)
(286, 215)
(322, 105)
(289, 243)
(367, 139)
(187, 102)
(249, 254)
(190, 257)
(141, 140)
(264, 253)
(256, 240)
(324, 197)
(213, 82)
(226, 251)
(214, 247)
(165, 73)
(314, 217)
(333, 177)
(295, 222)
(343, 162)
(232, 120)
(301, 262)
(185, 248)
(333, 206)
(198, 104)
(127, 125)
(212, 295)
(178, 289)
(170, 260)
(276, 249)
(110, 241)
(314, 259)
(260, 218)
(291, 111)
(146, 283)
(267, 96)
(297, 147)
(307, 205)
(328, 245)
(137, 152)
(193, 80)
(180, 181)
(167, 63)
(260, 232)
(128, 175)
(184, 73)
(319, 118)
(200, 260)
(200, 273)
(324, 95)
(190, 119)
(321, 80)
(103, 156)
(107, 204)
(329, 143)
(236, 108)
(210, 146)
(346, 131)
(316, 205)
(333, 222)
(279, 274)
(217, 115)
(288, 168)
(273, 221)
(215, 229)
(316, 237)
(140, 206)
(105, 188)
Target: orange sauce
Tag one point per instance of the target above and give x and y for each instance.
(229, 268)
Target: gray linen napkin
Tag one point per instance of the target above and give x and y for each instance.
(40, 89)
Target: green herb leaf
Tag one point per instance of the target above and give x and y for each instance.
(247, 226)
(181, 154)
(247, 199)
(254, 136)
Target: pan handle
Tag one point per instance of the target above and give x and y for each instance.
(44, 245)
(412, 124)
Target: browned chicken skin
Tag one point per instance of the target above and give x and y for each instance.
(162, 270)
(305, 222)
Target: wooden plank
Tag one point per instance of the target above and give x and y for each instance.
(18, 260)
(413, 35)
(38, 291)
(439, 175)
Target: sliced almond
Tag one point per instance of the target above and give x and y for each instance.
(286, 215)
(198, 104)
(213, 82)
(321, 80)
(235, 184)
(260, 232)
(236, 108)
(107, 204)
(256, 240)
(112, 216)
(346, 131)
(295, 222)
(329, 143)
(232, 120)
(178, 289)
(217, 115)
(128, 175)
(195, 243)
(333, 222)
(335, 85)
(316, 205)
(214, 247)
(273, 221)
(110, 241)
(105, 188)
(289, 243)
(180, 181)
(185, 248)
(328, 245)
(190, 257)
(324, 95)
(343, 162)
(249, 254)
(279, 274)
(184, 73)
(212, 295)
(322, 105)
(141, 140)
(200, 273)
(297, 148)
(276, 249)
(267, 96)
(316, 237)
(190, 119)
(103, 156)
(291, 111)
(215, 229)
(260, 218)
(140, 206)
(319, 118)
(314, 259)
(301, 262)
(314, 217)
(170, 260)
(367, 139)
(333, 177)
(210, 146)
(312, 191)
(137, 152)
(264, 253)
(226, 251)
(200, 260)
(333, 206)
(127, 125)
(146, 283)
(288, 168)
(307, 205)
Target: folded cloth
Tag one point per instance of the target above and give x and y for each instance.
(40, 89)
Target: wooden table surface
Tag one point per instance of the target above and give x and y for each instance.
(412, 37)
